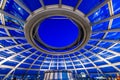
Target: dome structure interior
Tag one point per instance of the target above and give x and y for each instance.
(99, 56)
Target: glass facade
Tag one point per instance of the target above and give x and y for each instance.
(99, 56)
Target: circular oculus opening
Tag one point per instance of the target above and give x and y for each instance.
(58, 32)
(41, 22)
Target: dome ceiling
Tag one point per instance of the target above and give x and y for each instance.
(99, 52)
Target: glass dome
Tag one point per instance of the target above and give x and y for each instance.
(99, 54)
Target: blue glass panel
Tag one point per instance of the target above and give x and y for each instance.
(87, 5)
(116, 23)
(97, 35)
(34, 56)
(12, 21)
(74, 58)
(46, 63)
(100, 63)
(96, 50)
(72, 3)
(92, 42)
(70, 67)
(76, 63)
(4, 54)
(69, 63)
(13, 25)
(61, 68)
(87, 54)
(116, 6)
(114, 59)
(29, 61)
(53, 68)
(8, 52)
(51, 2)
(41, 58)
(66, 56)
(76, 53)
(4, 70)
(85, 60)
(3, 33)
(67, 59)
(89, 65)
(35, 67)
(17, 49)
(92, 70)
(21, 41)
(45, 67)
(116, 48)
(118, 66)
(7, 43)
(78, 66)
(17, 58)
(108, 69)
(44, 55)
(27, 46)
(106, 54)
(71, 55)
(16, 33)
(113, 36)
(10, 63)
(14, 9)
(19, 71)
(32, 50)
(105, 44)
(100, 27)
(38, 62)
(100, 14)
(82, 50)
(31, 3)
(94, 58)
(81, 57)
(88, 47)
(26, 53)
(39, 53)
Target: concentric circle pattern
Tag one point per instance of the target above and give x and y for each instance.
(97, 53)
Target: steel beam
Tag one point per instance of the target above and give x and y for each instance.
(78, 3)
(98, 7)
(14, 17)
(7, 75)
(23, 6)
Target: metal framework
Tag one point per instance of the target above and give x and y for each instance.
(75, 10)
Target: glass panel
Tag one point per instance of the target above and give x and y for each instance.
(106, 54)
(116, 6)
(105, 44)
(7, 43)
(51, 2)
(100, 27)
(100, 14)
(16, 33)
(3, 33)
(97, 35)
(114, 59)
(87, 5)
(116, 48)
(14, 9)
(31, 3)
(113, 36)
(116, 23)
(108, 69)
(72, 3)
(100, 63)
